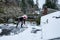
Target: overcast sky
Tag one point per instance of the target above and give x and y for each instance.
(58, 1)
(41, 2)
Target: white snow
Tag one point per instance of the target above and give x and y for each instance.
(49, 30)
(0, 30)
(52, 28)
(26, 35)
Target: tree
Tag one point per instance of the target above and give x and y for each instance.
(51, 4)
(0, 0)
(31, 3)
(6, 1)
(25, 3)
(23, 6)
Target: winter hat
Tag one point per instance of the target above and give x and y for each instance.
(25, 16)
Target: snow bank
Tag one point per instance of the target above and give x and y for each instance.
(52, 28)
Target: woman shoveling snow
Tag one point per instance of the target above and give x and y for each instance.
(21, 20)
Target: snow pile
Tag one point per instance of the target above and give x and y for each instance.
(52, 28)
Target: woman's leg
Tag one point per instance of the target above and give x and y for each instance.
(24, 21)
(21, 24)
(17, 25)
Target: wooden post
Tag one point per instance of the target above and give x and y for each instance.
(45, 10)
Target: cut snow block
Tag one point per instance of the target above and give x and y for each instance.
(0, 30)
(5, 32)
(0, 27)
(56, 17)
(58, 38)
(35, 30)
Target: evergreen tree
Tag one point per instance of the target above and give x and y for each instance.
(23, 6)
(25, 3)
(6, 1)
(0, 0)
(51, 4)
(31, 3)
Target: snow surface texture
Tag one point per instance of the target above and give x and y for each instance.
(51, 29)
(50, 26)
(23, 35)
(11, 28)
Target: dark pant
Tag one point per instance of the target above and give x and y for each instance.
(20, 20)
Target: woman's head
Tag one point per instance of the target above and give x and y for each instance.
(25, 16)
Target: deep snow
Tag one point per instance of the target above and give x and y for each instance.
(50, 29)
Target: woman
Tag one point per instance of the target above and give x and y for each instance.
(22, 20)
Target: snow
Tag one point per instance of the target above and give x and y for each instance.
(50, 29)
(0, 30)
(26, 35)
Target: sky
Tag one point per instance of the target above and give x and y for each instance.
(58, 1)
(41, 2)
